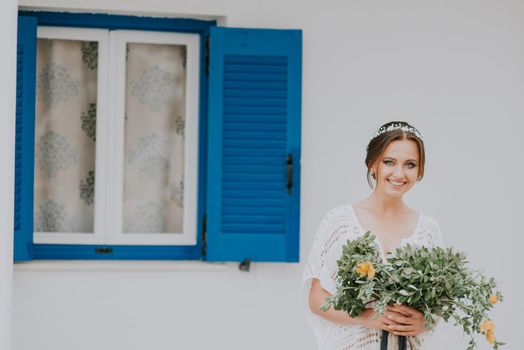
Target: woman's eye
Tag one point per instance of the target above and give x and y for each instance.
(411, 165)
(388, 162)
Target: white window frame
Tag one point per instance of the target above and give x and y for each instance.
(109, 166)
(119, 40)
(101, 161)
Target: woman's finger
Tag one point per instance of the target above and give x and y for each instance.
(399, 309)
(406, 311)
(388, 321)
(402, 319)
(393, 317)
(393, 313)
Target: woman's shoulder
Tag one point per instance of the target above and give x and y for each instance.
(338, 216)
(428, 220)
(339, 213)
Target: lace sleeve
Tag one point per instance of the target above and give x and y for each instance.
(332, 233)
(334, 230)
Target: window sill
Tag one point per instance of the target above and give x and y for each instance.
(132, 265)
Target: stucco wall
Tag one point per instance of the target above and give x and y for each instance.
(454, 69)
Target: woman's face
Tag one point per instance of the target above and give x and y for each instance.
(397, 170)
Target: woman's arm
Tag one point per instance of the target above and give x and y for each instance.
(317, 298)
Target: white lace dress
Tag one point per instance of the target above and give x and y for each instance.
(339, 225)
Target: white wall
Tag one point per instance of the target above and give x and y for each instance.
(7, 148)
(455, 69)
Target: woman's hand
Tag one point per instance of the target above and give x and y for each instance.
(410, 321)
(317, 298)
(371, 319)
(398, 319)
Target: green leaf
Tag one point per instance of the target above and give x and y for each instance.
(408, 271)
(405, 292)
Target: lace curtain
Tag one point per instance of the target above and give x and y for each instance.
(154, 138)
(65, 137)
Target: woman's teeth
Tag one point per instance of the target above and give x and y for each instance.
(396, 183)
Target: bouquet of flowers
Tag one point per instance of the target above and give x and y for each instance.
(434, 281)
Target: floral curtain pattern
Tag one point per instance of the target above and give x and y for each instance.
(154, 138)
(64, 136)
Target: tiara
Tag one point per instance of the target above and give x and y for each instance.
(397, 126)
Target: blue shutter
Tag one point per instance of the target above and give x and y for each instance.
(25, 134)
(254, 145)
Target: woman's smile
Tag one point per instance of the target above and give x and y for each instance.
(396, 183)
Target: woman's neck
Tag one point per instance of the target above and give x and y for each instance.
(383, 205)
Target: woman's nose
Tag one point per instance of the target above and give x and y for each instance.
(399, 171)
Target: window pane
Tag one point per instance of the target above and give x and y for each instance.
(154, 138)
(65, 135)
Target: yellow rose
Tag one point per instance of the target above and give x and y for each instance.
(493, 299)
(487, 326)
(371, 271)
(490, 337)
(366, 268)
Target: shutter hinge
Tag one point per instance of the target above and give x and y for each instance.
(204, 235)
(245, 265)
(207, 54)
(103, 250)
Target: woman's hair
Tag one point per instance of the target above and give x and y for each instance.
(387, 133)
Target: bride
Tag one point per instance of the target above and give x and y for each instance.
(395, 162)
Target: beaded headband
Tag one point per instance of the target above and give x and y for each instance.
(397, 126)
